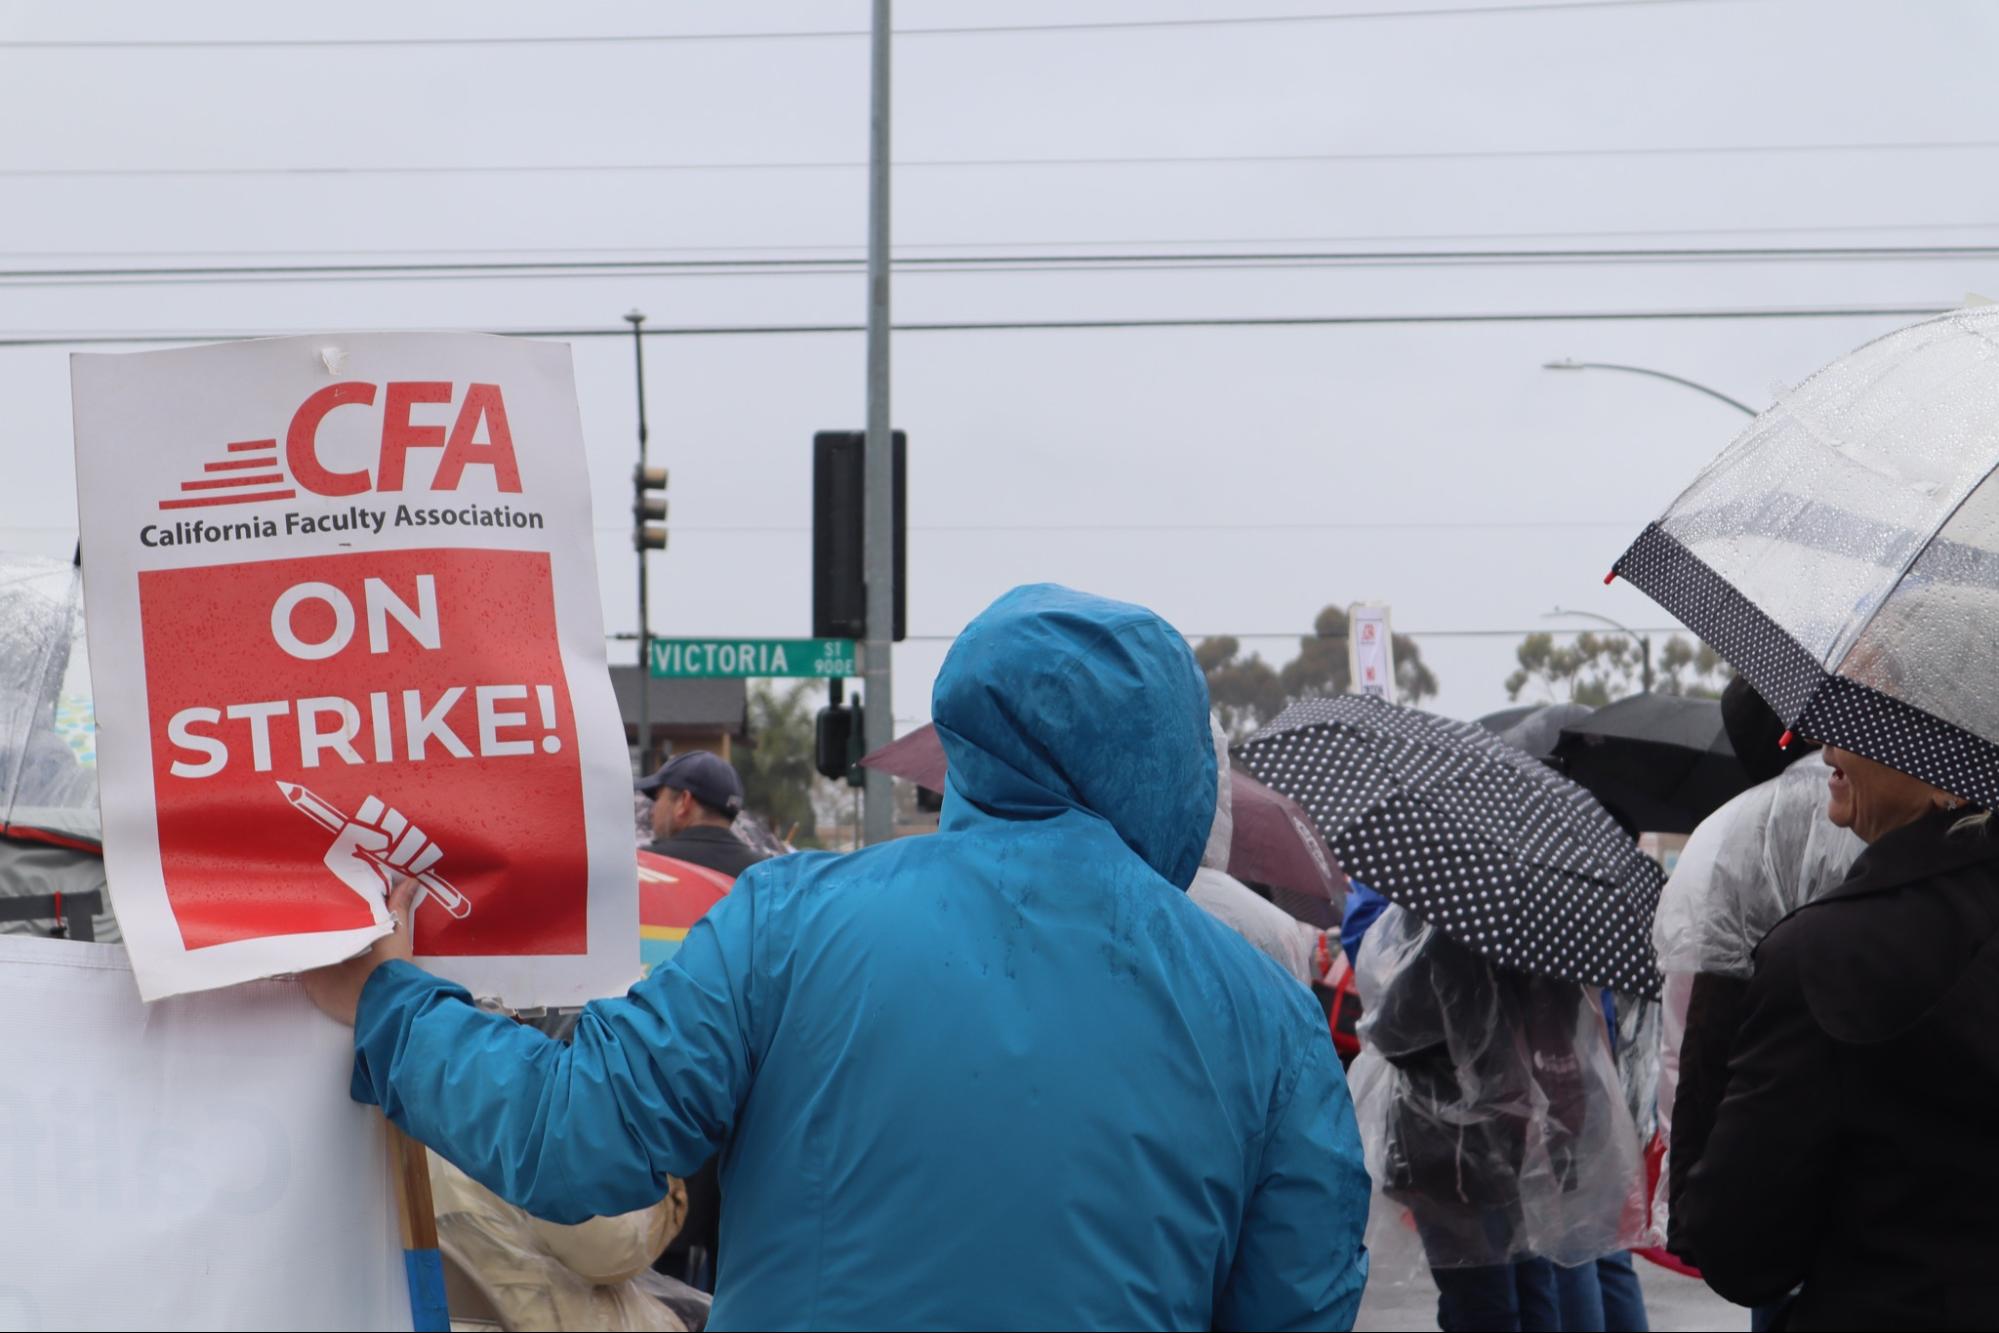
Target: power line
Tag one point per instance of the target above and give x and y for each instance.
(1904, 311)
(1108, 529)
(749, 252)
(1122, 529)
(817, 34)
(968, 163)
(626, 636)
(181, 275)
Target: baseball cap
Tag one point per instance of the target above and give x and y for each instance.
(709, 779)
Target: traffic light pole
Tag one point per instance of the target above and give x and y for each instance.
(638, 544)
(879, 525)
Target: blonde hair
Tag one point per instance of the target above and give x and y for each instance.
(1977, 821)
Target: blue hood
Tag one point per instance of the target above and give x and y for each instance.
(1054, 701)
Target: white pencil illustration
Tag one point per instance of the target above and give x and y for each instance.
(328, 817)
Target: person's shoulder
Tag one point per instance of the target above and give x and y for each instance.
(775, 877)
(846, 879)
(1871, 965)
(711, 848)
(1261, 993)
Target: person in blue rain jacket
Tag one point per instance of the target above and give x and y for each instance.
(1007, 1075)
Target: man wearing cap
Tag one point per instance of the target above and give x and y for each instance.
(695, 799)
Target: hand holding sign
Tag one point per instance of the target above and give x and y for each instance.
(337, 989)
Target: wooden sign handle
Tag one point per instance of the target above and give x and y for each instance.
(409, 1166)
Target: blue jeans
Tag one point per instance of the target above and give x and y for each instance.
(1579, 1293)
(1538, 1296)
(1623, 1301)
(1507, 1298)
(1763, 1318)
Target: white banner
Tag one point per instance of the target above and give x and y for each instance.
(194, 1164)
(343, 619)
(1371, 651)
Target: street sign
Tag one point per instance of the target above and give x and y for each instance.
(683, 659)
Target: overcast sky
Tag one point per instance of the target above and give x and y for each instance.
(1236, 479)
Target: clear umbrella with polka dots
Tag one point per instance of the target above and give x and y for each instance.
(1843, 554)
(1476, 837)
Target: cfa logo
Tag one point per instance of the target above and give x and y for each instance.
(478, 437)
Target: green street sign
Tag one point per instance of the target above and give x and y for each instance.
(682, 659)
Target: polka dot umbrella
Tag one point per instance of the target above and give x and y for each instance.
(1843, 554)
(1474, 836)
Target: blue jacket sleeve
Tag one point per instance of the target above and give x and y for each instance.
(648, 1086)
(1301, 1261)
(1363, 906)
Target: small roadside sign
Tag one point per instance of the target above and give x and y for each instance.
(1370, 652)
(711, 658)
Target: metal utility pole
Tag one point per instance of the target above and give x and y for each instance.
(636, 318)
(879, 527)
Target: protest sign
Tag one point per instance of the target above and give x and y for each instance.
(195, 1164)
(344, 626)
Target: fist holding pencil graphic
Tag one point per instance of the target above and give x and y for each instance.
(376, 848)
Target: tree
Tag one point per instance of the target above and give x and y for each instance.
(776, 762)
(1244, 691)
(1247, 692)
(1689, 667)
(1594, 669)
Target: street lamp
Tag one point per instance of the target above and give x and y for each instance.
(1644, 640)
(1569, 364)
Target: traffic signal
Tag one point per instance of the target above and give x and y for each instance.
(839, 741)
(648, 509)
(839, 509)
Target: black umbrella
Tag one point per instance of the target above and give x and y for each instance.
(1477, 837)
(1507, 718)
(1661, 762)
(1537, 732)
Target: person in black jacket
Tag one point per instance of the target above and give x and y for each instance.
(695, 800)
(1764, 854)
(1852, 1159)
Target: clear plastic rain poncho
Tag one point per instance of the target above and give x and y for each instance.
(1490, 1104)
(530, 1274)
(48, 752)
(1289, 942)
(1843, 554)
(48, 743)
(1749, 864)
